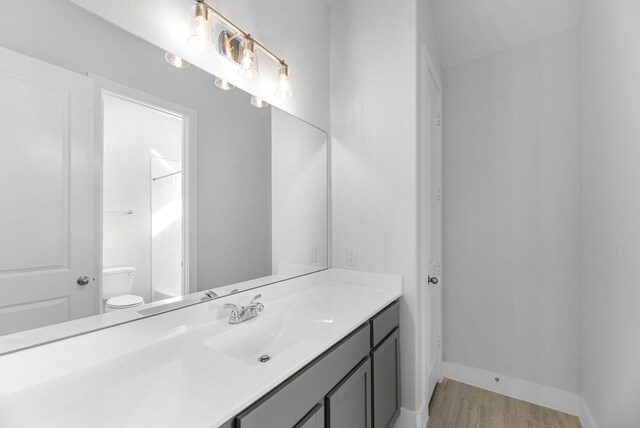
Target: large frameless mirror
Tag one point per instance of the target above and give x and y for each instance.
(128, 184)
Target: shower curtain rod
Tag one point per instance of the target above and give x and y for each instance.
(165, 176)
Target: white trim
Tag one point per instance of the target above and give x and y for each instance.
(423, 415)
(329, 162)
(431, 66)
(410, 419)
(97, 194)
(541, 395)
(189, 182)
(586, 418)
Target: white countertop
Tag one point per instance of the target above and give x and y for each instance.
(158, 372)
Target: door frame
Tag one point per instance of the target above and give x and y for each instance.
(189, 183)
(427, 70)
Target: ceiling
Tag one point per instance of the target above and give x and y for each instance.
(471, 29)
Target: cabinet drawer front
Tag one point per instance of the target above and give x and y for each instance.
(386, 388)
(349, 403)
(290, 402)
(384, 323)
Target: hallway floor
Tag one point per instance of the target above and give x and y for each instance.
(457, 405)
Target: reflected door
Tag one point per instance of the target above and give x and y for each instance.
(46, 194)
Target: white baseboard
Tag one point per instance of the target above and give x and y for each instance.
(556, 399)
(585, 415)
(410, 419)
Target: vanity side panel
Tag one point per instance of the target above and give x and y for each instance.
(291, 401)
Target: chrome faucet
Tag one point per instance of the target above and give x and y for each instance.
(208, 295)
(245, 312)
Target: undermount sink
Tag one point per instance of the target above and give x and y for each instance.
(265, 338)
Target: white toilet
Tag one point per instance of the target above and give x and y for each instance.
(117, 283)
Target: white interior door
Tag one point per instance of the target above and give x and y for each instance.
(46, 194)
(431, 149)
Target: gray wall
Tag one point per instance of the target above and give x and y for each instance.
(234, 194)
(233, 136)
(511, 212)
(299, 194)
(610, 352)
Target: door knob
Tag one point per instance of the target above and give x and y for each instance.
(83, 280)
(432, 280)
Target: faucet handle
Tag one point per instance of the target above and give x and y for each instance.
(208, 295)
(255, 305)
(234, 308)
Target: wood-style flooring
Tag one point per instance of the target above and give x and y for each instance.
(457, 405)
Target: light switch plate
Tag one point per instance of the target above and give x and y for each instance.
(313, 254)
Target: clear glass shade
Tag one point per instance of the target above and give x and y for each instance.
(248, 61)
(223, 84)
(201, 35)
(175, 60)
(258, 102)
(284, 89)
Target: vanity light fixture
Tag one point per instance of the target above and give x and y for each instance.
(175, 60)
(201, 36)
(258, 102)
(283, 82)
(228, 46)
(223, 84)
(248, 63)
(237, 46)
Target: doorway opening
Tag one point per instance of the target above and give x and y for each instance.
(143, 189)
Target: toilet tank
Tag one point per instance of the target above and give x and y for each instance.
(117, 281)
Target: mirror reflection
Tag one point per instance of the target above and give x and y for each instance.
(130, 180)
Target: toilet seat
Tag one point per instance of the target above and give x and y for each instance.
(125, 301)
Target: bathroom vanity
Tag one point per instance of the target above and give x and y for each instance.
(332, 343)
(342, 386)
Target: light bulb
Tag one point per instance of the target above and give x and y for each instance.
(248, 62)
(175, 60)
(223, 84)
(283, 82)
(201, 36)
(258, 102)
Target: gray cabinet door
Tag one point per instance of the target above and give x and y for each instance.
(286, 405)
(315, 418)
(385, 361)
(349, 403)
